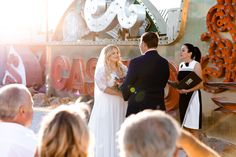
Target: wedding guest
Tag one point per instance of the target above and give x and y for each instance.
(63, 133)
(154, 133)
(16, 111)
(147, 134)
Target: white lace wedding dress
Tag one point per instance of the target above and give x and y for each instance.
(107, 115)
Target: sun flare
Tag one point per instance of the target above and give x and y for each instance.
(19, 13)
(20, 20)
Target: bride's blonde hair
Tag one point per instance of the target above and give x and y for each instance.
(108, 51)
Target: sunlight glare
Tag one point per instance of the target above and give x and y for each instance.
(21, 20)
(18, 18)
(56, 9)
(18, 14)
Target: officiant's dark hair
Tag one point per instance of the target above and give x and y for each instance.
(151, 39)
(196, 53)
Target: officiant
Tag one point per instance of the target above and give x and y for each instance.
(190, 103)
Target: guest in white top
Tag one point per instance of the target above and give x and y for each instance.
(16, 113)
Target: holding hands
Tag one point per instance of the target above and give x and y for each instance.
(119, 81)
(183, 91)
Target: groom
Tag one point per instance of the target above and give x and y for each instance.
(146, 78)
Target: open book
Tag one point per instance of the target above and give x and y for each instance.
(191, 80)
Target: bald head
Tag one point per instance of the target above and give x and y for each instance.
(15, 104)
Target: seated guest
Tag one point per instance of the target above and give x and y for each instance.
(63, 133)
(154, 133)
(16, 140)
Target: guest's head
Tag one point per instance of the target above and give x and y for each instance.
(148, 134)
(16, 104)
(149, 40)
(188, 51)
(63, 133)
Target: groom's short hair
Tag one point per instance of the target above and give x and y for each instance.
(147, 134)
(151, 39)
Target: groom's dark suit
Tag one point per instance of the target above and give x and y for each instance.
(145, 82)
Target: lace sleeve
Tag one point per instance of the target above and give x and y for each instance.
(100, 79)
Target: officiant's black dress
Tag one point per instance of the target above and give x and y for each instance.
(190, 104)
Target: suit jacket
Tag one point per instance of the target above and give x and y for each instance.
(145, 82)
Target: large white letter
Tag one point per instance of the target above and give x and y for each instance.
(103, 15)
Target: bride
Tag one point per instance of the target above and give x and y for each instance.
(109, 108)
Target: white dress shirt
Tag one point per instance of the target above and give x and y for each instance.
(16, 140)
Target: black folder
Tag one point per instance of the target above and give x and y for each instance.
(191, 80)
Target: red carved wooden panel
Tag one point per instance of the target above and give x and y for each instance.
(221, 60)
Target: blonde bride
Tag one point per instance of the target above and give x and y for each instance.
(109, 108)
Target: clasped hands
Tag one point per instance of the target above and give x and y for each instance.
(119, 81)
(183, 91)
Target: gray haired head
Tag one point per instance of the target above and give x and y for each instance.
(147, 134)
